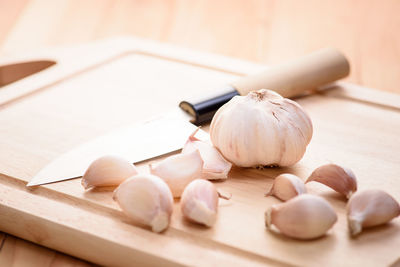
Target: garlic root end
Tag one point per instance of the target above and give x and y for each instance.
(160, 222)
(202, 214)
(355, 226)
(85, 184)
(268, 219)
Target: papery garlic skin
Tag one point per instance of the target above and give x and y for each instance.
(199, 202)
(261, 129)
(147, 200)
(107, 171)
(214, 166)
(340, 179)
(370, 208)
(287, 186)
(179, 170)
(303, 217)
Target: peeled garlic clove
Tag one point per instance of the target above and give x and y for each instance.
(303, 217)
(342, 180)
(287, 186)
(199, 202)
(107, 171)
(147, 200)
(261, 129)
(214, 166)
(370, 208)
(179, 170)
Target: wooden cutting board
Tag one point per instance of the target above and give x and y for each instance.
(97, 87)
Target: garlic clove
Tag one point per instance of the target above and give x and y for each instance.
(370, 208)
(302, 217)
(287, 186)
(147, 200)
(199, 202)
(214, 166)
(107, 171)
(340, 179)
(179, 170)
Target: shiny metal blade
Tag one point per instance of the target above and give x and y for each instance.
(157, 136)
(14, 72)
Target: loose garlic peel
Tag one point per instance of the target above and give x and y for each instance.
(147, 200)
(261, 129)
(179, 170)
(214, 166)
(370, 208)
(340, 179)
(303, 217)
(108, 171)
(287, 186)
(199, 202)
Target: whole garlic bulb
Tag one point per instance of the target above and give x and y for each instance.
(261, 129)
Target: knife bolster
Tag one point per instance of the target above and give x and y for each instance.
(204, 110)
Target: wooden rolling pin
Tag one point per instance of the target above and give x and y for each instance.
(289, 79)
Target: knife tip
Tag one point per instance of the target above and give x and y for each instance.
(37, 182)
(30, 184)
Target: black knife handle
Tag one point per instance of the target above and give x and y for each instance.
(203, 110)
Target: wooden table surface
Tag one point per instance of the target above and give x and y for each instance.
(255, 30)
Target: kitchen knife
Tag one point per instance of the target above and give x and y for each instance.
(168, 132)
(13, 72)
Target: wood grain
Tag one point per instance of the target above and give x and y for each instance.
(65, 217)
(17, 252)
(261, 31)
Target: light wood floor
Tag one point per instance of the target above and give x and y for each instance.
(367, 31)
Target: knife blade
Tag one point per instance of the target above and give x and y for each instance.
(137, 142)
(143, 141)
(13, 72)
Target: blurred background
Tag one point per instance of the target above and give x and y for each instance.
(264, 31)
